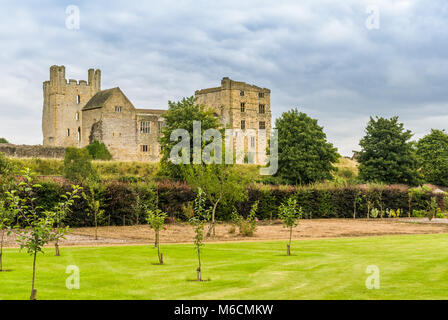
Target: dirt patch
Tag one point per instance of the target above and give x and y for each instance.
(308, 229)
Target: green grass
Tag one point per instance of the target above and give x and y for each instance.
(411, 267)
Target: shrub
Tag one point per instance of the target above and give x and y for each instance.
(418, 213)
(98, 151)
(248, 226)
(3, 140)
(78, 166)
(374, 213)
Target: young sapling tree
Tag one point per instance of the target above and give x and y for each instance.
(156, 220)
(6, 224)
(39, 223)
(201, 215)
(60, 212)
(94, 204)
(290, 213)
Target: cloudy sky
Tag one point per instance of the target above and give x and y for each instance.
(333, 60)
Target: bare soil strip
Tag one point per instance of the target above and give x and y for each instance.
(308, 229)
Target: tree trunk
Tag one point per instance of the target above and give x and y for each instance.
(212, 225)
(354, 209)
(33, 291)
(199, 268)
(288, 246)
(1, 251)
(56, 247)
(156, 240)
(160, 255)
(96, 228)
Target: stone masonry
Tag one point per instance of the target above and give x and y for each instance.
(75, 113)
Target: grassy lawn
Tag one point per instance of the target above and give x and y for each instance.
(411, 267)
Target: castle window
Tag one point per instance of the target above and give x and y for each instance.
(262, 125)
(261, 108)
(243, 124)
(68, 132)
(243, 106)
(77, 116)
(145, 127)
(252, 142)
(144, 148)
(79, 135)
(78, 99)
(261, 95)
(118, 109)
(161, 125)
(242, 93)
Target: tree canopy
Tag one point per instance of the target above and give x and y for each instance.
(78, 166)
(304, 155)
(98, 151)
(432, 155)
(180, 115)
(387, 155)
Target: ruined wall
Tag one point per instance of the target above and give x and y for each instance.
(37, 151)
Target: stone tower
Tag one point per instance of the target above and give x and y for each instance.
(241, 106)
(63, 102)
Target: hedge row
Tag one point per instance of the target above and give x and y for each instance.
(126, 203)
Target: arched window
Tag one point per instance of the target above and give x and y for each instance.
(79, 135)
(78, 99)
(77, 116)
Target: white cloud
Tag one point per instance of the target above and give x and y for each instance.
(315, 55)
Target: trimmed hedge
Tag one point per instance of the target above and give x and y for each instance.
(122, 201)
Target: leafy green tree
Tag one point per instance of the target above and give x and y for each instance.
(98, 151)
(78, 166)
(304, 155)
(39, 224)
(180, 115)
(201, 215)
(7, 219)
(221, 183)
(290, 213)
(432, 155)
(3, 140)
(387, 155)
(156, 220)
(60, 213)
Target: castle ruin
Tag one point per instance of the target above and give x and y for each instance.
(76, 113)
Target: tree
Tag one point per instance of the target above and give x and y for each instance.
(290, 213)
(432, 156)
(387, 155)
(98, 151)
(78, 166)
(38, 230)
(156, 220)
(201, 215)
(6, 222)
(221, 184)
(180, 115)
(304, 155)
(93, 198)
(3, 140)
(60, 212)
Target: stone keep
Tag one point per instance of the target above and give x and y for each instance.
(77, 113)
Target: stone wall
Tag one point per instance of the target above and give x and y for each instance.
(36, 151)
